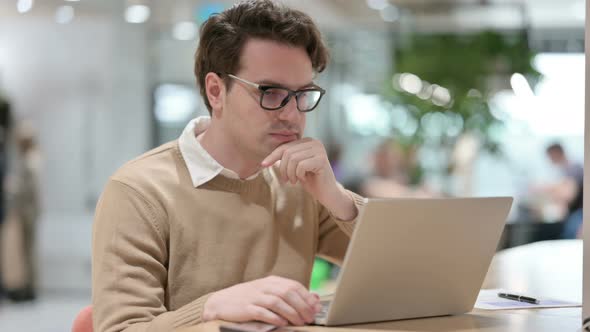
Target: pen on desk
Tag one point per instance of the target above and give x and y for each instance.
(519, 298)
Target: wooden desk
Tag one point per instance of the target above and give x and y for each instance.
(551, 268)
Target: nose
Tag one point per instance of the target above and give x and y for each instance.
(290, 112)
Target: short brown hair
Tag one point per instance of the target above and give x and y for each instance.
(555, 148)
(222, 37)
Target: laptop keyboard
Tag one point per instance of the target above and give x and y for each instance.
(325, 305)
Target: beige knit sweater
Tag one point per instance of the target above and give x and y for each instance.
(161, 246)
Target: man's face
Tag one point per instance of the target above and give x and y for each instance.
(253, 129)
(556, 157)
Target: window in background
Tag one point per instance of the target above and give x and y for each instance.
(554, 111)
(556, 107)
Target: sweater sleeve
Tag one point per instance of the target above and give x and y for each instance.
(129, 266)
(334, 234)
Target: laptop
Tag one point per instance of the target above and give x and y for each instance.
(411, 258)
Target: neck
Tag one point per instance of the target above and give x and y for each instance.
(226, 153)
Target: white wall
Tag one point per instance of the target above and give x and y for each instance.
(84, 87)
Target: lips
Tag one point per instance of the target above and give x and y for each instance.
(285, 133)
(285, 136)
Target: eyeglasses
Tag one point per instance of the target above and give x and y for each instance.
(274, 97)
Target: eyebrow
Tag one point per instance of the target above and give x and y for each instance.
(271, 82)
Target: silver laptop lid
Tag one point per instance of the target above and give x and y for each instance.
(413, 258)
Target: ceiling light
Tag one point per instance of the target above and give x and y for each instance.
(185, 30)
(377, 4)
(64, 14)
(137, 13)
(23, 6)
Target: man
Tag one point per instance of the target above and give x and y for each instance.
(568, 191)
(5, 133)
(225, 222)
(22, 191)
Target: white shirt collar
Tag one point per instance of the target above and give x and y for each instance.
(201, 165)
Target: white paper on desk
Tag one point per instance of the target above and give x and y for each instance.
(488, 299)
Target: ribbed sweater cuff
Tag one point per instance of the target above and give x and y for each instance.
(359, 202)
(191, 313)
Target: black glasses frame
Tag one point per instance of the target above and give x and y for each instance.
(290, 94)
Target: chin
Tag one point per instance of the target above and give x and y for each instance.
(266, 148)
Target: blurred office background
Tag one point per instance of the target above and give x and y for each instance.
(425, 98)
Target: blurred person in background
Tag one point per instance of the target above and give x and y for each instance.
(23, 209)
(225, 222)
(5, 132)
(394, 173)
(334, 152)
(567, 193)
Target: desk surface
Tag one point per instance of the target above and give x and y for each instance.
(552, 268)
(548, 320)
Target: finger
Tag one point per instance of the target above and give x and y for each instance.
(281, 308)
(290, 291)
(312, 299)
(273, 157)
(284, 284)
(302, 291)
(318, 305)
(286, 159)
(294, 160)
(311, 165)
(277, 154)
(283, 168)
(264, 315)
(301, 171)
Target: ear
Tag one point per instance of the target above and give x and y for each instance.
(215, 89)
